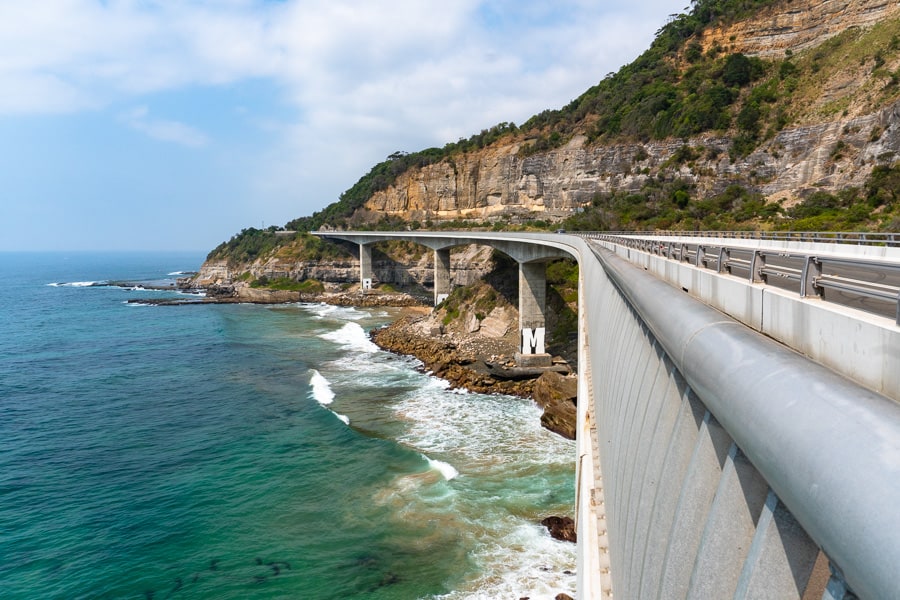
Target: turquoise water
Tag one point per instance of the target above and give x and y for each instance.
(242, 451)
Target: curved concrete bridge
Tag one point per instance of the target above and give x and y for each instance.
(736, 438)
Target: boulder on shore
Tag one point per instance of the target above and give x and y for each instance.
(558, 396)
(561, 528)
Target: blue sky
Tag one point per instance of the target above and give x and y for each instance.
(154, 124)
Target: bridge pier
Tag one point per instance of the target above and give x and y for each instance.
(441, 275)
(532, 314)
(365, 267)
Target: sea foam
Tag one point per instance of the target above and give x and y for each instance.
(331, 311)
(352, 337)
(524, 561)
(76, 283)
(321, 389)
(445, 469)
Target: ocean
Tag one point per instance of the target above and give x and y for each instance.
(250, 451)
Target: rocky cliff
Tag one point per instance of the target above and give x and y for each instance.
(797, 25)
(391, 266)
(822, 112)
(496, 183)
(841, 126)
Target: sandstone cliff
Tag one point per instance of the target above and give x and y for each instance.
(496, 183)
(852, 108)
(798, 25)
(831, 104)
(391, 266)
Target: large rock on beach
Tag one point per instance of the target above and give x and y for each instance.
(558, 396)
(561, 528)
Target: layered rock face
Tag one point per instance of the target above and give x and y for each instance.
(799, 25)
(468, 264)
(497, 183)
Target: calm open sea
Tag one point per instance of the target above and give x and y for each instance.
(241, 451)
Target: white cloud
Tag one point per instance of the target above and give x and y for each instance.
(164, 130)
(319, 49)
(363, 78)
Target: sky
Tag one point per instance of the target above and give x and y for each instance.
(175, 124)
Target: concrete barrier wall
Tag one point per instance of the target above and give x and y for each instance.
(682, 501)
(729, 460)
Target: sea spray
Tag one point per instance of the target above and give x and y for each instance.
(352, 337)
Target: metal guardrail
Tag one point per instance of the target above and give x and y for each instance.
(868, 238)
(849, 280)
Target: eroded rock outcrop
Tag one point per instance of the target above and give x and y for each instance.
(468, 264)
(561, 528)
(797, 25)
(445, 359)
(558, 396)
(498, 182)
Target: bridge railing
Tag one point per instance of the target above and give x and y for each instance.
(866, 284)
(836, 237)
(733, 466)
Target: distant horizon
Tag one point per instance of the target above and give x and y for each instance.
(128, 126)
(107, 251)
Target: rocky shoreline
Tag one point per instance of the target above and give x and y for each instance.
(249, 295)
(471, 364)
(467, 364)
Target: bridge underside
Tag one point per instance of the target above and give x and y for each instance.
(531, 259)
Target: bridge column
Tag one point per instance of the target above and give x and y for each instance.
(532, 307)
(365, 267)
(441, 275)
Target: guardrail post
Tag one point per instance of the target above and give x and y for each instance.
(757, 264)
(812, 269)
(897, 321)
(701, 253)
(722, 265)
(682, 252)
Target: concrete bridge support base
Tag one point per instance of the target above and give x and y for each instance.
(441, 275)
(365, 267)
(532, 310)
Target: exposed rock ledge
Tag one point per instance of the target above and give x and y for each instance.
(464, 366)
(248, 295)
